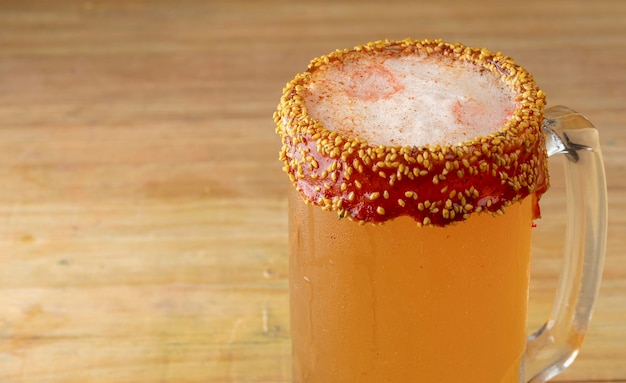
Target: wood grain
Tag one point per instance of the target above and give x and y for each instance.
(142, 207)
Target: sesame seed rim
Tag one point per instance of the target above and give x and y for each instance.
(294, 125)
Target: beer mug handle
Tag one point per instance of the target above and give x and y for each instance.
(555, 345)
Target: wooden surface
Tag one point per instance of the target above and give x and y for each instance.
(142, 207)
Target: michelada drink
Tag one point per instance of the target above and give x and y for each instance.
(416, 171)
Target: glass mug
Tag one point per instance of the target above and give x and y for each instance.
(383, 293)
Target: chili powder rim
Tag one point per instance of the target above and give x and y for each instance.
(435, 185)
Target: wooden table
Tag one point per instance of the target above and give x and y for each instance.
(142, 207)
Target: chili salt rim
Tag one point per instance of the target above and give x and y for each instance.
(436, 185)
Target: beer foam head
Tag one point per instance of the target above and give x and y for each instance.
(409, 100)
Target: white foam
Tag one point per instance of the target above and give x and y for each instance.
(409, 100)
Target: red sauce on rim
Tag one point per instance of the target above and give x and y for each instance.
(434, 184)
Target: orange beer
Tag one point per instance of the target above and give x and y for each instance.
(409, 261)
(399, 303)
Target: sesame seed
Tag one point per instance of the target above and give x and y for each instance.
(373, 196)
